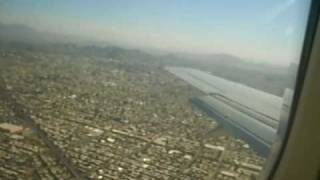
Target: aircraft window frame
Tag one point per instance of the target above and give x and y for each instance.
(273, 164)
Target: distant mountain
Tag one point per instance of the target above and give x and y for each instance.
(26, 34)
(266, 77)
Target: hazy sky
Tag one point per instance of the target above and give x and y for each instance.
(264, 30)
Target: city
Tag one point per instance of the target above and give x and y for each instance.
(67, 116)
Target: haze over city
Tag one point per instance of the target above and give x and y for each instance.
(267, 32)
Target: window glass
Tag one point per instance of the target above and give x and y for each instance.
(145, 89)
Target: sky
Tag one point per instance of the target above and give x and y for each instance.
(268, 31)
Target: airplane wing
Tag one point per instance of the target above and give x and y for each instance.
(248, 113)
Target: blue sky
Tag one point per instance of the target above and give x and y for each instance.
(261, 30)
